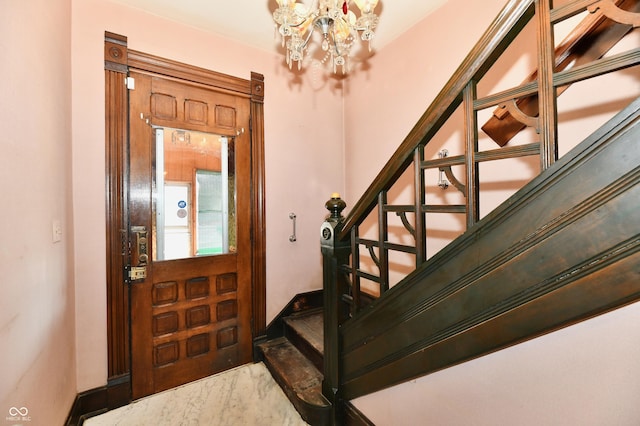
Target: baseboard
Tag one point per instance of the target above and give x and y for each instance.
(355, 417)
(89, 403)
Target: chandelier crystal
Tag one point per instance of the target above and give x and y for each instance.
(338, 24)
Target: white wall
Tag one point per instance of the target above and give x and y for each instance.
(579, 375)
(37, 338)
(304, 161)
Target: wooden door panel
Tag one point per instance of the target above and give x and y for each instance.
(195, 319)
(189, 317)
(174, 104)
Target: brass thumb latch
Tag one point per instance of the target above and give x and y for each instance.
(139, 271)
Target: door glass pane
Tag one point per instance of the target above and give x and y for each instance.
(194, 208)
(177, 229)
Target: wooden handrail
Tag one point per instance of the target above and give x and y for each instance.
(513, 17)
(432, 308)
(487, 289)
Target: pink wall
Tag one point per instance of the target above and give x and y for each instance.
(384, 102)
(580, 375)
(304, 165)
(52, 301)
(37, 337)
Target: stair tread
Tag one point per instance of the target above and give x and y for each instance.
(297, 372)
(309, 327)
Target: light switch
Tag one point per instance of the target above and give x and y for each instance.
(57, 231)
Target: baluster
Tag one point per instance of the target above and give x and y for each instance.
(546, 90)
(471, 130)
(355, 265)
(419, 200)
(383, 236)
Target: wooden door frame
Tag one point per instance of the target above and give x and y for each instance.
(118, 59)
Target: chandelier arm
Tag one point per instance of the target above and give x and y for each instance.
(304, 45)
(297, 25)
(364, 28)
(335, 46)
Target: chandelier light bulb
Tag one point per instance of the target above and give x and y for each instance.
(341, 30)
(300, 9)
(350, 18)
(366, 6)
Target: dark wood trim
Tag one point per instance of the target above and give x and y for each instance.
(299, 303)
(116, 190)
(118, 391)
(355, 417)
(86, 404)
(335, 254)
(258, 224)
(547, 92)
(167, 67)
(115, 52)
(115, 394)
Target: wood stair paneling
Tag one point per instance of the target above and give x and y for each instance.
(295, 361)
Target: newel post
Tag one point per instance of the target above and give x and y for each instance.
(335, 254)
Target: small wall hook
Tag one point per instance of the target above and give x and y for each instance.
(442, 181)
(293, 238)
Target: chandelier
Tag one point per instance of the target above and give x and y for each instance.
(336, 22)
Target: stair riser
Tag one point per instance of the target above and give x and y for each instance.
(304, 346)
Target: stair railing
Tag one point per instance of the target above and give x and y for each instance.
(341, 243)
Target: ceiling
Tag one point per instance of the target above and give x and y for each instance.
(250, 21)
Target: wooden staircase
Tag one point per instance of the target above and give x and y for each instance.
(564, 248)
(295, 360)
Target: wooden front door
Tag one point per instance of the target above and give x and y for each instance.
(189, 231)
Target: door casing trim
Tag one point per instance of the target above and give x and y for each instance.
(118, 60)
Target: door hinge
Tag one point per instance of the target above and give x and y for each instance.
(130, 82)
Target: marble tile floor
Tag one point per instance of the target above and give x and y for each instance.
(244, 396)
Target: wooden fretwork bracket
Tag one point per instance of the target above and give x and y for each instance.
(589, 41)
(613, 12)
